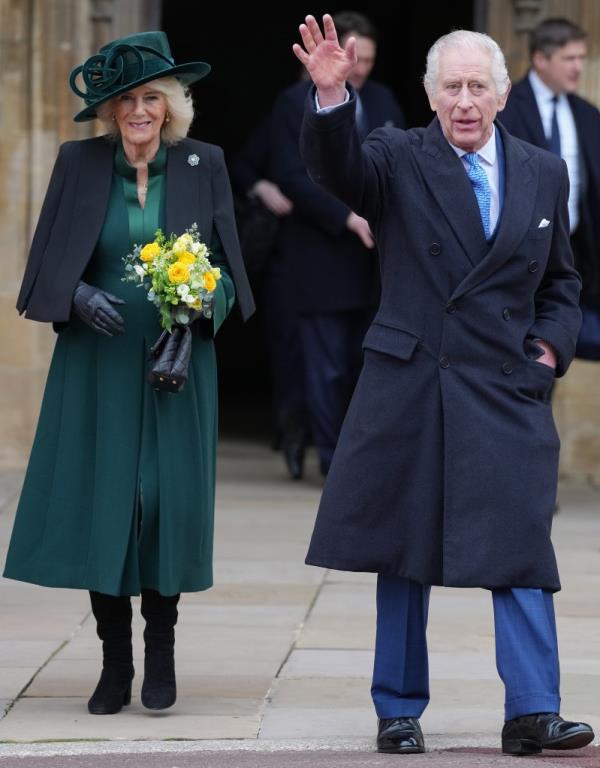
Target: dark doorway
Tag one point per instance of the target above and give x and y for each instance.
(250, 52)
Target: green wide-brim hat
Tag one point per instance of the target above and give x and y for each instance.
(126, 63)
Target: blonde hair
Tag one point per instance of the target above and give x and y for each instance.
(179, 107)
(465, 38)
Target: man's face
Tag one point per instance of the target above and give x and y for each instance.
(561, 71)
(366, 50)
(466, 100)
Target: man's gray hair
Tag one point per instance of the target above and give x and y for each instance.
(465, 38)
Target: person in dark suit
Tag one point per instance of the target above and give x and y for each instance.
(329, 256)
(262, 207)
(446, 468)
(118, 497)
(544, 109)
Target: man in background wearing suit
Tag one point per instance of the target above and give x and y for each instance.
(328, 250)
(262, 207)
(545, 110)
(447, 464)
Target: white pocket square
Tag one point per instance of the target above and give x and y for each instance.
(543, 224)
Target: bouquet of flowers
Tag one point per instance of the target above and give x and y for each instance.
(177, 275)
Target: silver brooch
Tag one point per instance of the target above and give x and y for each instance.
(193, 159)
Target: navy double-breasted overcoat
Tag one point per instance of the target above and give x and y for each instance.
(446, 467)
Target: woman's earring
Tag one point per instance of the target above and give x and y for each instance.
(168, 118)
(113, 117)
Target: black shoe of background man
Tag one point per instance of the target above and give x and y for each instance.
(294, 439)
(529, 734)
(400, 736)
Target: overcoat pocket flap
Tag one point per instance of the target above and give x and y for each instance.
(390, 341)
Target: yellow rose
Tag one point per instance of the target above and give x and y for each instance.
(178, 272)
(209, 282)
(197, 304)
(187, 258)
(149, 251)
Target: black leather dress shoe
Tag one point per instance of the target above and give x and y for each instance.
(400, 736)
(293, 453)
(294, 439)
(530, 734)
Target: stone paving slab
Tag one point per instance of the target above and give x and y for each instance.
(65, 719)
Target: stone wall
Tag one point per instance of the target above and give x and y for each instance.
(40, 42)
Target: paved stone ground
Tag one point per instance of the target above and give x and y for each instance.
(278, 656)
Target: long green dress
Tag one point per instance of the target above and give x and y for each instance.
(119, 491)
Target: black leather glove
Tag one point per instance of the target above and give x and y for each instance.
(95, 308)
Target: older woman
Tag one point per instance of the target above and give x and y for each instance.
(118, 497)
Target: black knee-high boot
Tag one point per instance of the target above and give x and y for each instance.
(113, 624)
(159, 689)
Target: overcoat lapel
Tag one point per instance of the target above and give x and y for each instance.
(447, 181)
(522, 177)
(188, 198)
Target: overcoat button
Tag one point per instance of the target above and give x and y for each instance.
(506, 313)
(444, 362)
(507, 368)
(435, 249)
(533, 265)
(451, 307)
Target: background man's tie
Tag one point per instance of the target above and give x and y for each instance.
(554, 142)
(481, 187)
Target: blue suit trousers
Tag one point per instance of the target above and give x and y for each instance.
(526, 649)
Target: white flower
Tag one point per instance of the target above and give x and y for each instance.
(195, 247)
(189, 298)
(139, 270)
(151, 295)
(183, 289)
(183, 243)
(195, 284)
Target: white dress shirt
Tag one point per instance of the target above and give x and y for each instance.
(569, 145)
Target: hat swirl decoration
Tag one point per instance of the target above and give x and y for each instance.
(126, 63)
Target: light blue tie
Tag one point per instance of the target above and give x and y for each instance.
(481, 187)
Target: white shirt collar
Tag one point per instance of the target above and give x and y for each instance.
(541, 91)
(487, 152)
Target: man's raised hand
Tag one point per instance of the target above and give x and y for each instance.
(327, 63)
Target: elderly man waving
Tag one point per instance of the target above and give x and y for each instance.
(446, 468)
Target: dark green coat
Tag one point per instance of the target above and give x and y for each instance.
(119, 491)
